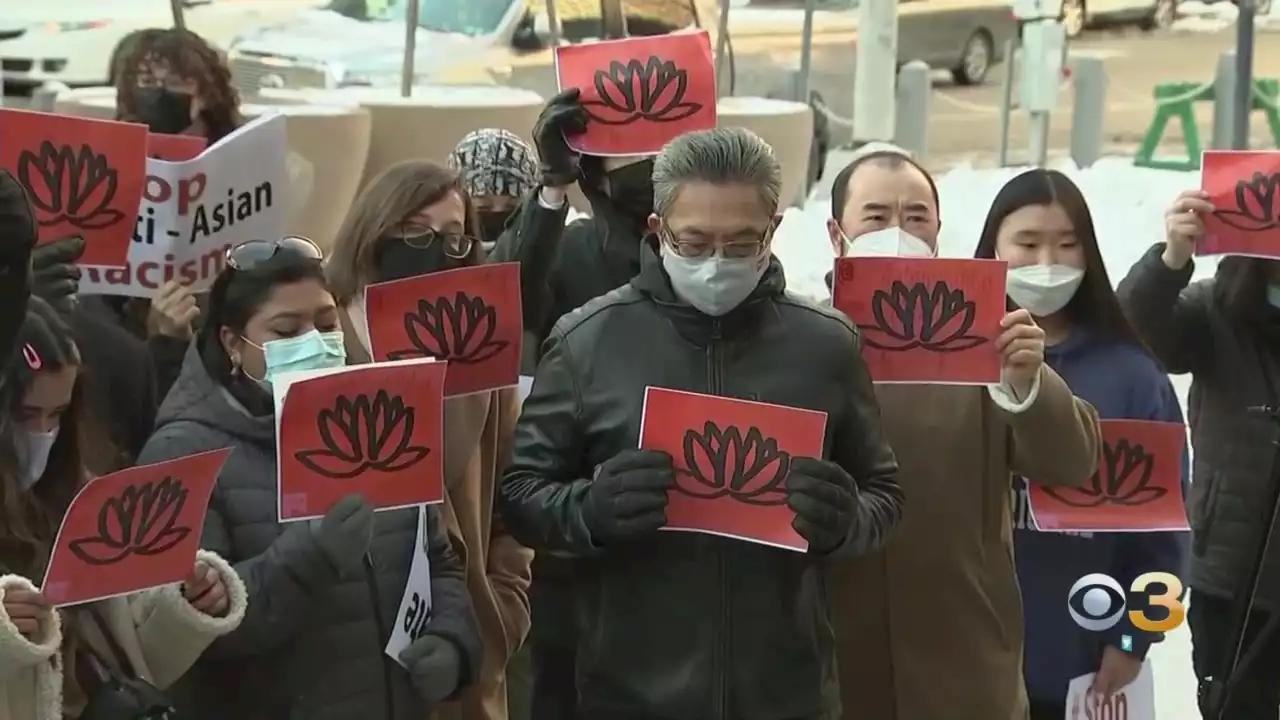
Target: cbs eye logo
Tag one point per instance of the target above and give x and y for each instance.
(1097, 602)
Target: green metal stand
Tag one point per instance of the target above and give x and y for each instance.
(1177, 101)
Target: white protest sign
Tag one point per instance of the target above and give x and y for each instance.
(192, 211)
(1136, 701)
(415, 605)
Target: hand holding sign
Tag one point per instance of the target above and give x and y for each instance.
(205, 590)
(376, 430)
(470, 317)
(640, 93)
(925, 320)
(732, 461)
(28, 610)
(132, 530)
(1137, 488)
(84, 177)
(1244, 188)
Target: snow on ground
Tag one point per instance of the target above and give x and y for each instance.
(1127, 205)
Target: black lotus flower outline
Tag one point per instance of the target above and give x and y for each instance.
(75, 186)
(458, 330)
(1257, 204)
(937, 319)
(748, 466)
(651, 90)
(364, 433)
(141, 520)
(1128, 479)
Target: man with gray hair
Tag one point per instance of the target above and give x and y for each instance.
(686, 625)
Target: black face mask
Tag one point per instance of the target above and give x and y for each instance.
(492, 224)
(395, 260)
(631, 191)
(163, 110)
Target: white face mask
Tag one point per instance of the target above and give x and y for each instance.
(33, 454)
(1043, 289)
(893, 241)
(714, 285)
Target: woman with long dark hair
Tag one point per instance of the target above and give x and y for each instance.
(1225, 332)
(1040, 225)
(417, 218)
(55, 664)
(175, 82)
(325, 593)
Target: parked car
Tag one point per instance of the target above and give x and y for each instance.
(70, 41)
(1077, 15)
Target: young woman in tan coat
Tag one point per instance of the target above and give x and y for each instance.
(416, 218)
(53, 662)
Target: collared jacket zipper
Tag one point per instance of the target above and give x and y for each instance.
(371, 577)
(724, 648)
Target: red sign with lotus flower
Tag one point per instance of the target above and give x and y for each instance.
(925, 320)
(132, 530)
(1244, 188)
(175, 148)
(640, 93)
(84, 178)
(732, 458)
(1137, 488)
(470, 317)
(376, 430)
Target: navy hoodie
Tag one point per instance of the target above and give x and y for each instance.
(1121, 382)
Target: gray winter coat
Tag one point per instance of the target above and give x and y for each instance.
(1232, 369)
(311, 644)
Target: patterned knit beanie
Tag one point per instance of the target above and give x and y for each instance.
(495, 162)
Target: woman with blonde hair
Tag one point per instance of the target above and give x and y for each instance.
(413, 219)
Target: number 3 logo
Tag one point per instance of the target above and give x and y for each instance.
(1170, 599)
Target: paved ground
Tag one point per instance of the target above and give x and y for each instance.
(964, 121)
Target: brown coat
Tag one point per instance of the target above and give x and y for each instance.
(931, 627)
(478, 433)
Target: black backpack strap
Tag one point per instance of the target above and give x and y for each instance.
(119, 667)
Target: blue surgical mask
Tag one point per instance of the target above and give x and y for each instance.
(714, 285)
(310, 351)
(33, 454)
(1273, 295)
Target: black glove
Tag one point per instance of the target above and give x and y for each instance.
(344, 533)
(435, 664)
(825, 500)
(561, 116)
(629, 495)
(55, 277)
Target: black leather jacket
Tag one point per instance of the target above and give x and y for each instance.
(681, 626)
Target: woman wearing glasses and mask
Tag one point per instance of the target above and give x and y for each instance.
(414, 219)
(323, 594)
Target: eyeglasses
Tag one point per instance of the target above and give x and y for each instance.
(252, 253)
(701, 249)
(456, 245)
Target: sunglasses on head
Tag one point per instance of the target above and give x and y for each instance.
(252, 253)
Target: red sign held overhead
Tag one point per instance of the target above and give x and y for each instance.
(132, 530)
(1244, 188)
(376, 430)
(925, 320)
(640, 93)
(1138, 485)
(732, 458)
(83, 176)
(470, 317)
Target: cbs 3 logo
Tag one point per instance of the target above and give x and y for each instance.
(1097, 602)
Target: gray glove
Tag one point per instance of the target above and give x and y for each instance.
(344, 533)
(435, 665)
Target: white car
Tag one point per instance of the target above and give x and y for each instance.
(70, 41)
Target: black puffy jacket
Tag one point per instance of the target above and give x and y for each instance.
(681, 626)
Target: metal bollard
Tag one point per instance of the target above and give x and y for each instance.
(911, 120)
(1089, 82)
(1224, 89)
(44, 97)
